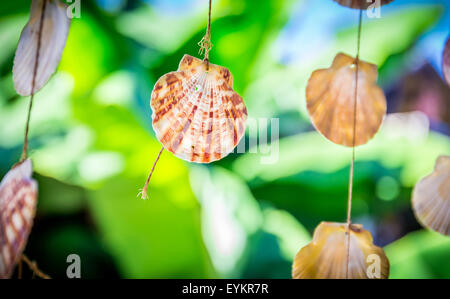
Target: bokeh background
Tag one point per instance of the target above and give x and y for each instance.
(92, 142)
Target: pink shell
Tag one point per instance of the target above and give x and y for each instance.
(18, 197)
(446, 62)
(196, 113)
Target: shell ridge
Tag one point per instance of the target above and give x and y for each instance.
(212, 133)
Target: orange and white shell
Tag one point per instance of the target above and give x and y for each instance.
(18, 197)
(446, 62)
(328, 255)
(361, 4)
(196, 113)
(431, 198)
(330, 99)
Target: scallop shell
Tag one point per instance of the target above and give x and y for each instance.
(361, 4)
(326, 255)
(55, 30)
(196, 114)
(431, 198)
(330, 101)
(446, 62)
(18, 197)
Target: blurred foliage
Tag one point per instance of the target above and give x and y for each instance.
(421, 254)
(92, 142)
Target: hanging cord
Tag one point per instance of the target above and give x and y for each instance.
(143, 193)
(33, 266)
(205, 44)
(352, 164)
(33, 83)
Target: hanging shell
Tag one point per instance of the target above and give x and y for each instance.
(431, 198)
(18, 197)
(196, 114)
(55, 28)
(446, 62)
(330, 97)
(326, 256)
(361, 4)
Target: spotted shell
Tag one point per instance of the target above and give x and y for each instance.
(196, 114)
(326, 256)
(361, 4)
(18, 197)
(330, 97)
(446, 62)
(431, 198)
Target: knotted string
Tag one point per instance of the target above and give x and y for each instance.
(205, 43)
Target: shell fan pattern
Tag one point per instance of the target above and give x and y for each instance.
(18, 198)
(55, 29)
(330, 97)
(326, 256)
(431, 198)
(360, 4)
(196, 113)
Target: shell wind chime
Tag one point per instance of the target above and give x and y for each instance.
(347, 107)
(38, 54)
(196, 114)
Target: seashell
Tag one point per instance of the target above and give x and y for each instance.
(196, 114)
(18, 197)
(326, 255)
(362, 4)
(55, 28)
(446, 62)
(431, 198)
(330, 101)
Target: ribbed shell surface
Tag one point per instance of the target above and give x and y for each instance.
(55, 30)
(18, 197)
(196, 113)
(330, 95)
(431, 198)
(326, 256)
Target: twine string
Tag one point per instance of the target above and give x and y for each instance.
(352, 164)
(143, 193)
(33, 266)
(33, 83)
